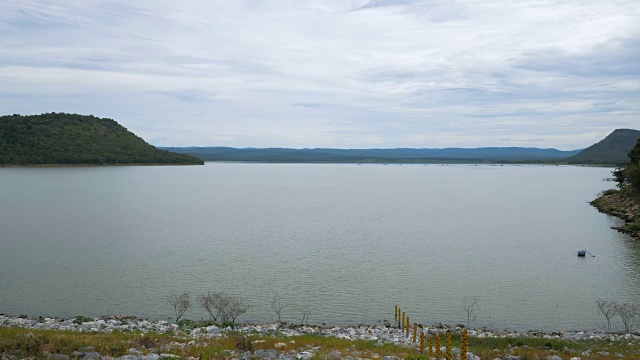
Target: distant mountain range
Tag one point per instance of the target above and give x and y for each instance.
(59, 138)
(402, 155)
(610, 151)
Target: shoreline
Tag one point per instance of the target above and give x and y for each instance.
(27, 166)
(309, 162)
(130, 338)
(615, 203)
(131, 323)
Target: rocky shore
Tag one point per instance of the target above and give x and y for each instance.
(620, 205)
(380, 334)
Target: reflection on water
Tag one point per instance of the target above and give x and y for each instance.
(348, 242)
(630, 259)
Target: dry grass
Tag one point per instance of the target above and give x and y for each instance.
(32, 343)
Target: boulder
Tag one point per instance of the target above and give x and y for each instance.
(213, 330)
(265, 354)
(305, 355)
(472, 356)
(92, 355)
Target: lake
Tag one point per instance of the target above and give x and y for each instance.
(344, 243)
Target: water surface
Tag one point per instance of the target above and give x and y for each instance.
(345, 242)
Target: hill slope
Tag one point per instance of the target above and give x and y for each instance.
(373, 155)
(59, 138)
(611, 150)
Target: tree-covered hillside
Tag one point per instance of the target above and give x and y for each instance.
(613, 149)
(59, 138)
(629, 175)
(624, 203)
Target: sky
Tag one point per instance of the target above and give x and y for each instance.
(330, 73)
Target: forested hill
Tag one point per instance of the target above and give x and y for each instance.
(59, 138)
(611, 150)
(401, 155)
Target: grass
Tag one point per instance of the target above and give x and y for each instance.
(633, 226)
(32, 343)
(608, 192)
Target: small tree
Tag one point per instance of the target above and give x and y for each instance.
(470, 305)
(222, 307)
(629, 174)
(206, 303)
(235, 308)
(608, 309)
(306, 314)
(215, 304)
(627, 313)
(180, 303)
(277, 306)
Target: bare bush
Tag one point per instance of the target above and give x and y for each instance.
(222, 307)
(607, 309)
(627, 313)
(215, 304)
(306, 314)
(471, 306)
(277, 306)
(235, 308)
(243, 343)
(180, 303)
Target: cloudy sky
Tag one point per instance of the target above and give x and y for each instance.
(330, 73)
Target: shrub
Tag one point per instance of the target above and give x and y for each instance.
(608, 192)
(633, 226)
(243, 343)
(180, 303)
(222, 307)
(81, 319)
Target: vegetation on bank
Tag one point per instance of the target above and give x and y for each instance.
(25, 343)
(60, 138)
(628, 176)
(625, 202)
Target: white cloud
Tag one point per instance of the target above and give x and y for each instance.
(358, 73)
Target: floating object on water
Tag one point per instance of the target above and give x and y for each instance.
(583, 253)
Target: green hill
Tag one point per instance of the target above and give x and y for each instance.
(611, 150)
(59, 138)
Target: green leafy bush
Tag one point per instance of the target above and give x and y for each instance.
(81, 319)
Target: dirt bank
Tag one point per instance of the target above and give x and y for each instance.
(623, 205)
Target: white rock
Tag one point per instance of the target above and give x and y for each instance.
(472, 356)
(213, 330)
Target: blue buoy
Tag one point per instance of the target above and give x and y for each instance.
(582, 253)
